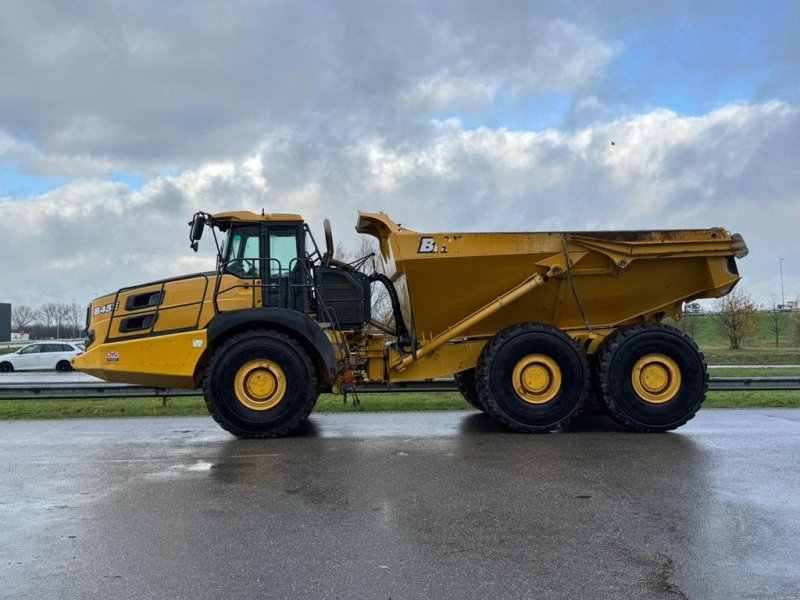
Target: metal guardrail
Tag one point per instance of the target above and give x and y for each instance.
(764, 384)
(101, 389)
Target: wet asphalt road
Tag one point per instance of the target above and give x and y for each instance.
(38, 377)
(414, 505)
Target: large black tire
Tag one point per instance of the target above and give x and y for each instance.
(679, 397)
(512, 347)
(6, 367)
(63, 366)
(244, 417)
(593, 403)
(465, 382)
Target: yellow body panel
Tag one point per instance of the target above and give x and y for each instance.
(251, 217)
(167, 355)
(166, 361)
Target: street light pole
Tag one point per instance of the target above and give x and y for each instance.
(783, 301)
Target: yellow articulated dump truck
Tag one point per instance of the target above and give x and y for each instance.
(530, 325)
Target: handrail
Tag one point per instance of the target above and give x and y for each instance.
(270, 284)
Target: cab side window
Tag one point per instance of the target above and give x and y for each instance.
(244, 255)
(282, 251)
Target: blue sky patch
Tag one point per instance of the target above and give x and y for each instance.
(17, 184)
(546, 110)
(134, 181)
(693, 66)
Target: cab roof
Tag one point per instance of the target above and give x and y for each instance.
(245, 216)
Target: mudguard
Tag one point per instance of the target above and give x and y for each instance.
(301, 326)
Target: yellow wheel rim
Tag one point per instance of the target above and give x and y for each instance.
(260, 384)
(537, 379)
(656, 378)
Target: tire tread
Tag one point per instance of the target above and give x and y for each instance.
(465, 382)
(605, 356)
(484, 385)
(286, 428)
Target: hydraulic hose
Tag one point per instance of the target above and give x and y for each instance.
(399, 324)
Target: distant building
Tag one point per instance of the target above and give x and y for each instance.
(5, 322)
(693, 309)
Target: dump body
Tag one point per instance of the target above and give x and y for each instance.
(613, 277)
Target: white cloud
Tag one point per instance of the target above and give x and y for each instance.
(526, 59)
(151, 87)
(731, 168)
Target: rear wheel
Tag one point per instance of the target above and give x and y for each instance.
(260, 384)
(465, 382)
(532, 377)
(652, 377)
(63, 366)
(6, 367)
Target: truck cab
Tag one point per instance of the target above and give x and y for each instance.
(269, 251)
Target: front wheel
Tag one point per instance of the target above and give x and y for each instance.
(652, 377)
(260, 384)
(6, 367)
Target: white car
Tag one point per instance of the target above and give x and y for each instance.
(40, 356)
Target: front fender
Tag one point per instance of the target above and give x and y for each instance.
(299, 325)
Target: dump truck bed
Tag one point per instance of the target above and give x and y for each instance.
(609, 277)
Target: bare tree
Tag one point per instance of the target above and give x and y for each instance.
(736, 317)
(777, 318)
(53, 314)
(689, 322)
(359, 255)
(343, 253)
(796, 321)
(22, 316)
(381, 304)
(73, 317)
(46, 314)
(60, 317)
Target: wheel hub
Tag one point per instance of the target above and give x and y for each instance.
(260, 384)
(656, 378)
(537, 378)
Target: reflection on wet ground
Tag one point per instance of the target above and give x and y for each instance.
(402, 505)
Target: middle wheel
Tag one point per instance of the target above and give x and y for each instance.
(532, 377)
(465, 382)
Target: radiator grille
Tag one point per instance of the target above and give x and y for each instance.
(344, 294)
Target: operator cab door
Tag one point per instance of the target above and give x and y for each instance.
(286, 279)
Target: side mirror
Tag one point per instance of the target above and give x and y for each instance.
(197, 225)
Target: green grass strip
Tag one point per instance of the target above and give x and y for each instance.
(188, 406)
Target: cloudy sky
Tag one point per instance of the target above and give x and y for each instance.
(120, 119)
